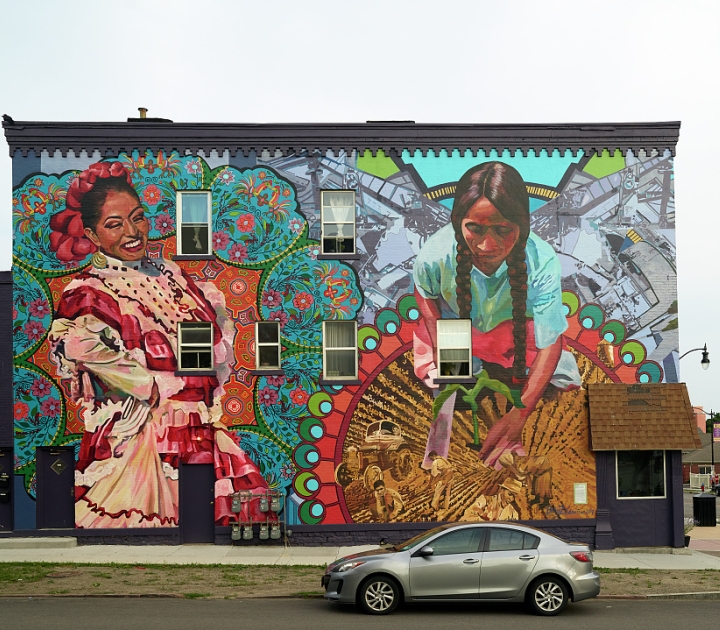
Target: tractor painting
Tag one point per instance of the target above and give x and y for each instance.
(383, 449)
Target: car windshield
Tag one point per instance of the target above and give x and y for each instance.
(416, 540)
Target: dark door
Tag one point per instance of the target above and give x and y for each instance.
(55, 487)
(6, 489)
(197, 503)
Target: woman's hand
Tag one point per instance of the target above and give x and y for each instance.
(505, 436)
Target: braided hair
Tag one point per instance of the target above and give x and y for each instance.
(505, 189)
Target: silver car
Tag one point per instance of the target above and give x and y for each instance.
(487, 562)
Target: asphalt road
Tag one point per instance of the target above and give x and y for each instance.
(317, 614)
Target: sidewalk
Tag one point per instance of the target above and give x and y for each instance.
(67, 550)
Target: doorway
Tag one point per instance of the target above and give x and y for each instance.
(55, 487)
(6, 488)
(197, 503)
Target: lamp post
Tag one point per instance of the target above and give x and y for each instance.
(705, 361)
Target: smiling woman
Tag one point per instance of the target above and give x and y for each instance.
(115, 338)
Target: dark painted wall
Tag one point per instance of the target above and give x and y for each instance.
(645, 522)
(6, 357)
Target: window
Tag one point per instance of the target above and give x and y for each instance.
(454, 347)
(338, 221)
(194, 219)
(460, 541)
(705, 470)
(196, 346)
(267, 339)
(502, 539)
(640, 474)
(340, 350)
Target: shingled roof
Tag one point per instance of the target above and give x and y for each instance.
(643, 417)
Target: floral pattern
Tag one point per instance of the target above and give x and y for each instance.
(311, 291)
(289, 407)
(255, 210)
(31, 311)
(38, 417)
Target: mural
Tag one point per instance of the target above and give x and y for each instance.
(563, 264)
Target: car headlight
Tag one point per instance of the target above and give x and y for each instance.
(347, 566)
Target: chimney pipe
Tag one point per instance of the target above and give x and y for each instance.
(143, 112)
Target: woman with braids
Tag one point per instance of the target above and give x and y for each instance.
(488, 267)
(115, 337)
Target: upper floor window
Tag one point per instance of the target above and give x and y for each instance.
(267, 340)
(338, 221)
(194, 219)
(340, 350)
(195, 341)
(454, 340)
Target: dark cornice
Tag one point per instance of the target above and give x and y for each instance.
(393, 137)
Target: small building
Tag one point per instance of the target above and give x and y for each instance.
(229, 331)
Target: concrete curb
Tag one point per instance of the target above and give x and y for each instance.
(711, 595)
(667, 596)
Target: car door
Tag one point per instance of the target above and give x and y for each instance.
(508, 560)
(453, 569)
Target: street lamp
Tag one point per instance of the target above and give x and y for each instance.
(712, 437)
(705, 361)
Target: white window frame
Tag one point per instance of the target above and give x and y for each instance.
(442, 346)
(617, 479)
(260, 344)
(324, 223)
(344, 377)
(179, 221)
(183, 345)
(705, 469)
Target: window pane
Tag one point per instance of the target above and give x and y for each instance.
(454, 333)
(338, 198)
(457, 368)
(338, 246)
(196, 333)
(338, 215)
(268, 332)
(194, 207)
(640, 474)
(340, 334)
(461, 541)
(194, 360)
(531, 542)
(454, 355)
(339, 230)
(195, 239)
(268, 356)
(505, 539)
(340, 363)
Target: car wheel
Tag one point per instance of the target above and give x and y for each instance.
(379, 595)
(547, 596)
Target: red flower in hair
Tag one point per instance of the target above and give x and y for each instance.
(68, 239)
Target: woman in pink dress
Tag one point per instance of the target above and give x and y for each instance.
(115, 337)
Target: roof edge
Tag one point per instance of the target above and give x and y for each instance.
(111, 138)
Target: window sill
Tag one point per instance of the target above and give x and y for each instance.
(195, 373)
(194, 257)
(338, 256)
(461, 380)
(340, 381)
(268, 372)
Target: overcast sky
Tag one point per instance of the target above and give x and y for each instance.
(331, 61)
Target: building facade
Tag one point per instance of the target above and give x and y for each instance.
(382, 326)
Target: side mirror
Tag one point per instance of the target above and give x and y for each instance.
(425, 551)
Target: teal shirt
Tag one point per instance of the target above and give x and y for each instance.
(436, 268)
